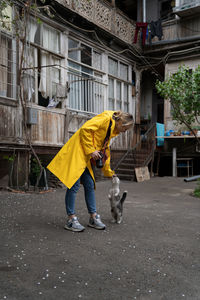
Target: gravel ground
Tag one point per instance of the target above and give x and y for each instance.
(153, 254)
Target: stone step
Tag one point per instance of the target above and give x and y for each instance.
(129, 166)
(126, 177)
(125, 171)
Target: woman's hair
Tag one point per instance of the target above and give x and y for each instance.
(126, 118)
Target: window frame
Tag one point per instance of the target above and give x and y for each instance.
(42, 53)
(10, 65)
(86, 91)
(117, 78)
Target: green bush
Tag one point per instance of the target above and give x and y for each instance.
(197, 189)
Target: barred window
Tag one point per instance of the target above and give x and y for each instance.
(86, 86)
(8, 80)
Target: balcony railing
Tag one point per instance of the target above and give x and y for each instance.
(187, 8)
(105, 16)
(176, 30)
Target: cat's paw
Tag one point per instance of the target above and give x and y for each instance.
(119, 220)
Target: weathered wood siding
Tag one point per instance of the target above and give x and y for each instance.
(122, 141)
(53, 127)
(50, 128)
(9, 125)
(179, 29)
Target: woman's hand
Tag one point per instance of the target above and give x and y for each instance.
(96, 155)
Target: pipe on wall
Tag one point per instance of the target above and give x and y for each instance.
(144, 11)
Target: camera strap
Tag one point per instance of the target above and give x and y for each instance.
(93, 162)
(107, 137)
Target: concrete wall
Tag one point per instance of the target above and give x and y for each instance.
(152, 10)
(171, 68)
(146, 97)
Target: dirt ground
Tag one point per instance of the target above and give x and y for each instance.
(154, 254)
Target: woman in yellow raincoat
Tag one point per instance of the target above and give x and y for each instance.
(72, 164)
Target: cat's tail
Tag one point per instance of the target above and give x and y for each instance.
(123, 196)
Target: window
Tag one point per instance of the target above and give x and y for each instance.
(96, 58)
(44, 35)
(44, 58)
(29, 75)
(123, 72)
(111, 98)
(119, 96)
(8, 80)
(113, 67)
(55, 75)
(8, 73)
(86, 87)
(118, 85)
(126, 102)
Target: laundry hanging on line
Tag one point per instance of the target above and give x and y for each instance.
(143, 26)
(148, 31)
(155, 30)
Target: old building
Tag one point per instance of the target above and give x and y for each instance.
(81, 57)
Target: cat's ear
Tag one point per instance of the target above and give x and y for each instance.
(123, 197)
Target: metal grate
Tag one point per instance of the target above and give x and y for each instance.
(86, 93)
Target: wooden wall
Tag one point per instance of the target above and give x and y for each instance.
(50, 128)
(53, 128)
(9, 124)
(180, 28)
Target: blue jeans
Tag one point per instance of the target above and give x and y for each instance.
(88, 183)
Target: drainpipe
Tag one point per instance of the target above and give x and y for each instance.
(144, 11)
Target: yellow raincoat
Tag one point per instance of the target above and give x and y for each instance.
(70, 162)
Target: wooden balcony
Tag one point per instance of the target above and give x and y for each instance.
(105, 16)
(178, 30)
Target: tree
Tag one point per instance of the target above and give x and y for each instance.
(17, 23)
(183, 90)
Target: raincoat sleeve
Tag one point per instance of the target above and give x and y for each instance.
(106, 168)
(87, 132)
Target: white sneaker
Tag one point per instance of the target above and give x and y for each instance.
(74, 225)
(96, 223)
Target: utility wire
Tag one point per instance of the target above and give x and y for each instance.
(108, 48)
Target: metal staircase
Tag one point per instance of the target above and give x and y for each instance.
(141, 155)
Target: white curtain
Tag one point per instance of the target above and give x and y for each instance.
(43, 76)
(50, 39)
(55, 75)
(32, 28)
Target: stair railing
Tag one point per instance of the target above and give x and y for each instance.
(146, 143)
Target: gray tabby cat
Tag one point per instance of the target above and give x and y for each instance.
(116, 201)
